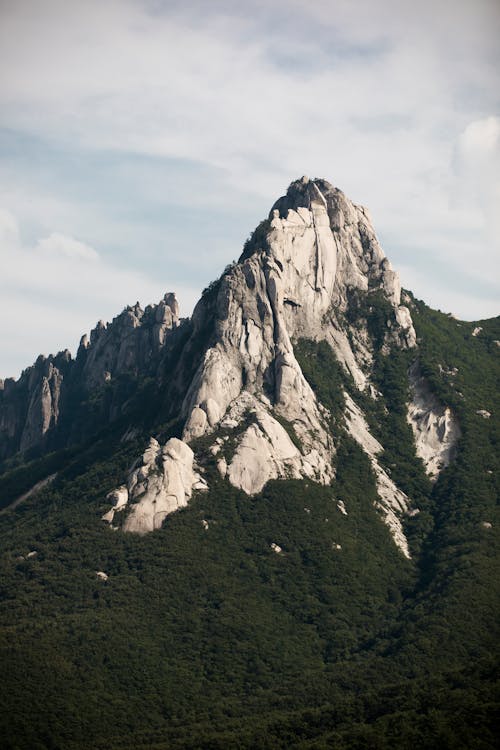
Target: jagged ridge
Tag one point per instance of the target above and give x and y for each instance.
(43, 409)
(295, 279)
(299, 277)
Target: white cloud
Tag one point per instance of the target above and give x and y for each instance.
(58, 246)
(161, 84)
(478, 182)
(481, 137)
(9, 230)
(396, 103)
(440, 294)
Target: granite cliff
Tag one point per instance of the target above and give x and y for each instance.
(48, 406)
(274, 524)
(313, 270)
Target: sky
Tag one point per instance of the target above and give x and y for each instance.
(141, 141)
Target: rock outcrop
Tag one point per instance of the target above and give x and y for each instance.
(163, 483)
(30, 408)
(38, 410)
(313, 270)
(43, 407)
(435, 427)
(296, 282)
(126, 344)
(298, 277)
(265, 450)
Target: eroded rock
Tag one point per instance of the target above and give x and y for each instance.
(265, 450)
(435, 428)
(483, 413)
(163, 483)
(37, 410)
(294, 280)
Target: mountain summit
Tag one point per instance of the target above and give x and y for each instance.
(312, 271)
(273, 524)
(298, 277)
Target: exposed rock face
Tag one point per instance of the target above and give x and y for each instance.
(119, 497)
(328, 248)
(43, 409)
(30, 407)
(265, 450)
(125, 345)
(296, 279)
(33, 407)
(483, 413)
(318, 250)
(434, 426)
(313, 270)
(162, 483)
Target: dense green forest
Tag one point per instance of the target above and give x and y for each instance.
(210, 638)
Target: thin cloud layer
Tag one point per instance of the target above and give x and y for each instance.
(52, 290)
(183, 105)
(479, 174)
(60, 248)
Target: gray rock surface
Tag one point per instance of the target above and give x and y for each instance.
(265, 450)
(125, 345)
(162, 483)
(296, 279)
(319, 249)
(311, 271)
(435, 427)
(32, 408)
(43, 408)
(483, 413)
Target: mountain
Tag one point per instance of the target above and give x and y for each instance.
(273, 524)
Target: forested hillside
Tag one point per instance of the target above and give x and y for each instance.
(284, 620)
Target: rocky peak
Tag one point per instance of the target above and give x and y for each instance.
(131, 345)
(296, 278)
(352, 253)
(314, 270)
(127, 343)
